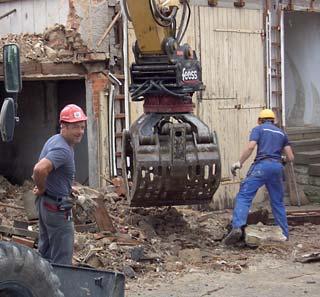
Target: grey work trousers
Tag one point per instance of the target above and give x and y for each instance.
(56, 232)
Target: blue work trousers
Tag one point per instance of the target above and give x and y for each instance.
(268, 173)
(56, 232)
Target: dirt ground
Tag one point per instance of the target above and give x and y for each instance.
(266, 276)
(271, 270)
(178, 251)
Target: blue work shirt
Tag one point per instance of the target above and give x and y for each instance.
(270, 141)
(61, 154)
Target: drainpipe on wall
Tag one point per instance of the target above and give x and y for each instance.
(125, 64)
(114, 90)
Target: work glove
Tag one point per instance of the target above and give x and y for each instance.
(283, 160)
(234, 168)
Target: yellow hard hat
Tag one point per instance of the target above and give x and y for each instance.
(266, 114)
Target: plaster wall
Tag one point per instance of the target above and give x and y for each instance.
(89, 18)
(302, 64)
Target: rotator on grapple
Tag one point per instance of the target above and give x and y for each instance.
(170, 157)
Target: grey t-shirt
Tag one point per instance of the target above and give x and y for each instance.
(61, 154)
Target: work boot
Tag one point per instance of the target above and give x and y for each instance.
(233, 237)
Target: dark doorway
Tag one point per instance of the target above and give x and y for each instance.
(39, 106)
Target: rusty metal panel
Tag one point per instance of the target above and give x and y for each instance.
(233, 72)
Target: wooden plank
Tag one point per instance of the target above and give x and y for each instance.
(136, 108)
(104, 143)
(86, 227)
(233, 73)
(63, 68)
(10, 206)
(102, 217)
(5, 22)
(22, 240)
(52, 12)
(30, 68)
(296, 194)
(42, 70)
(27, 17)
(19, 232)
(40, 10)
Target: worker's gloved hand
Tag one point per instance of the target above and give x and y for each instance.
(284, 160)
(234, 168)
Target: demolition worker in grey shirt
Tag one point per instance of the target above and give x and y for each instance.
(53, 176)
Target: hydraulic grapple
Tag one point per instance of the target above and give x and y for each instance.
(170, 157)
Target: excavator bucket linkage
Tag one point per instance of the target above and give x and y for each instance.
(170, 159)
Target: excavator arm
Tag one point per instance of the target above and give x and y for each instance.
(170, 157)
(150, 33)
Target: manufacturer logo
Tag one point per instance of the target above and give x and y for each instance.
(189, 74)
(77, 115)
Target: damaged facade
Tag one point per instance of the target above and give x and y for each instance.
(250, 59)
(66, 55)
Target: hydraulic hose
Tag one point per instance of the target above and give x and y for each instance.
(165, 21)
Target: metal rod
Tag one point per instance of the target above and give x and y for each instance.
(7, 14)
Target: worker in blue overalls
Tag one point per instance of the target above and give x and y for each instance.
(267, 169)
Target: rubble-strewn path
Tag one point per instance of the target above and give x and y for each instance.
(266, 277)
(173, 251)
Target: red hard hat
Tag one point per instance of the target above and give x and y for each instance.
(72, 113)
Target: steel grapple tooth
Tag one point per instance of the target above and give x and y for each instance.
(170, 159)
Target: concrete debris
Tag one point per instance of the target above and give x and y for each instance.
(256, 235)
(150, 243)
(191, 256)
(128, 271)
(137, 253)
(307, 258)
(29, 205)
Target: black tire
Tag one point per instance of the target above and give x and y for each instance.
(23, 273)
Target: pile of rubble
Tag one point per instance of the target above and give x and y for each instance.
(56, 44)
(148, 242)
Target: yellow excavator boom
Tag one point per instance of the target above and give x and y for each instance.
(149, 33)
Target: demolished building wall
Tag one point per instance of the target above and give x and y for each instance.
(59, 41)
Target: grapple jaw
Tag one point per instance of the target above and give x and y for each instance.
(170, 159)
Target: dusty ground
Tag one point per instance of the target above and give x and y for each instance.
(266, 276)
(270, 270)
(178, 251)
